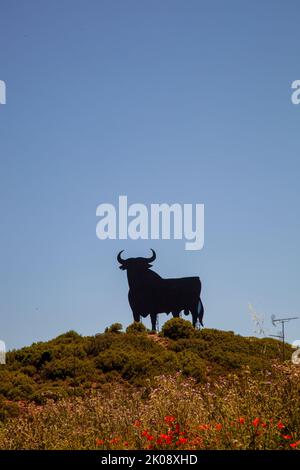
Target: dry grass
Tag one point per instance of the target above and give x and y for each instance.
(230, 413)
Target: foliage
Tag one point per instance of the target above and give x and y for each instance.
(114, 328)
(177, 328)
(71, 365)
(231, 413)
(136, 328)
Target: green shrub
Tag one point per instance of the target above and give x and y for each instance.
(136, 328)
(114, 328)
(177, 328)
(73, 364)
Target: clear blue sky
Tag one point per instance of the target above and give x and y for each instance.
(163, 101)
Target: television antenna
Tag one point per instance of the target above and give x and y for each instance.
(281, 334)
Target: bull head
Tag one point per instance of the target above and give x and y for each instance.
(136, 263)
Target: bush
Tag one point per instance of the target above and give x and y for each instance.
(178, 328)
(8, 409)
(136, 328)
(192, 365)
(114, 328)
(111, 360)
(88, 363)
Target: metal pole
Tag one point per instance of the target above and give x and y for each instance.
(282, 337)
(283, 345)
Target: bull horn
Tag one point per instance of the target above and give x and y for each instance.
(152, 258)
(120, 260)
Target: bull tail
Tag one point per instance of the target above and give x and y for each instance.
(200, 311)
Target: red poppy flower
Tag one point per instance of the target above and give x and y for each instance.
(280, 425)
(203, 427)
(181, 440)
(242, 420)
(99, 442)
(169, 419)
(218, 427)
(256, 422)
(286, 436)
(295, 444)
(114, 440)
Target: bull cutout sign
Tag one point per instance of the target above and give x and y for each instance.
(150, 294)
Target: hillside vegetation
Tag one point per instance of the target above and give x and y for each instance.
(72, 364)
(181, 389)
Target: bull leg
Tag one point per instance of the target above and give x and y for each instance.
(136, 316)
(201, 312)
(194, 312)
(153, 321)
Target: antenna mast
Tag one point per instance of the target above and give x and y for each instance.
(282, 335)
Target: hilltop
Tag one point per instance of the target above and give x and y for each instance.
(181, 389)
(72, 364)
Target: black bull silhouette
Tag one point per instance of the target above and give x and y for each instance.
(150, 294)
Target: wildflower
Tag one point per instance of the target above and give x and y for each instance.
(165, 438)
(286, 436)
(99, 442)
(256, 422)
(264, 425)
(137, 423)
(169, 419)
(126, 444)
(114, 440)
(218, 427)
(280, 425)
(203, 427)
(150, 437)
(295, 444)
(181, 440)
(242, 420)
(145, 433)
